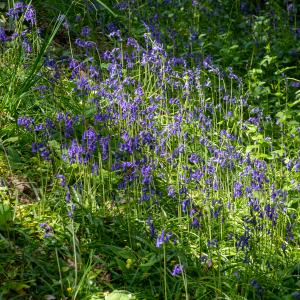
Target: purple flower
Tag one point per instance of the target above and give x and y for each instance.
(213, 243)
(16, 10)
(47, 229)
(130, 144)
(83, 83)
(171, 191)
(149, 222)
(185, 204)
(257, 287)
(195, 223)
(89, 138)
(64, 21)
(104, 142)
(79, 42)
(71, 211)
(197, 175)
(89, 45)
(95, 168)
(116, 34)
(162, 238)
(207, 62)
(35, 147)
(194, 158)
(25, 121)
(177, 270)
(294, 84)
(243, 241)
(231, 75)
(39, 127)
(68, 195)
(94, 73)
(42, 149)
(195, 3)
(216, 212)
(45, 154)
(30, 15)
(146, 174)
(271, 213)
(62, 179)
(2, 35)
(85, 31)
(75, 152)
(133, 43)
(26, 46)
(237, 189)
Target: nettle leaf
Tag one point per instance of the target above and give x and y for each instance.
(263, 156)
(267, 60)
(258, 138)
(120, 295)
(283, 115)
(250, 148)
(277, 153)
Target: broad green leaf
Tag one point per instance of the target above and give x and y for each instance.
(120, 295)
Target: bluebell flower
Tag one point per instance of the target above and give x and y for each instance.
(185, 204)
(89, 138)
(162, 238)
(16, 10)
(116, 34)
(95, 168)
(149, 222)
(146, 174)
(216, 212)
(212, 243)
(26, 46)
(195, 223)
(62, 179)
(71, 211)
(3, 36)
(133, 43)
(194, 158)
(75, 152)
(47, 229)
(30, 15)
(237, 189)
(243, 241)
(171, 191)
(257, 286)
(27, 122)
(85, 31)
(68, 194)
(83, 83)
(295, 84)
(177, 270)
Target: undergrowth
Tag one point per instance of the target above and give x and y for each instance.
(149, 153)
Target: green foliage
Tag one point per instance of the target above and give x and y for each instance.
(81, 236)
